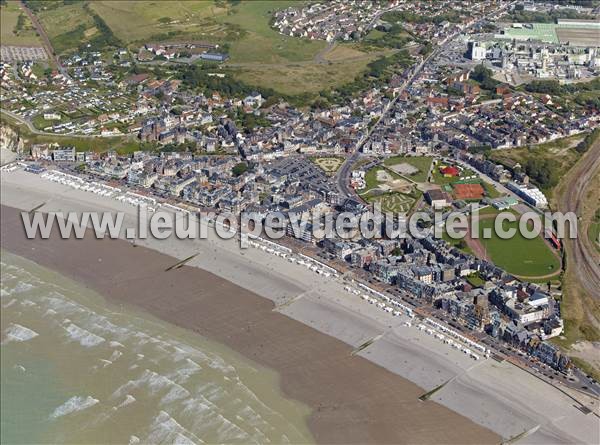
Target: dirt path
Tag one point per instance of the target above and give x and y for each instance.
(320, 56)
(45, 40)
(476, 246)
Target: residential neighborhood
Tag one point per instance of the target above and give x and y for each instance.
(468, 111)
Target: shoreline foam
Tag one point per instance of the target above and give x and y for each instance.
(353, 400)
(323, 305)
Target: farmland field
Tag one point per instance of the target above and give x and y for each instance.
(13, 33)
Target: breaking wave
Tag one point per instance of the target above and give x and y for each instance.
(16, 332)
(74, 404)
(181, 390)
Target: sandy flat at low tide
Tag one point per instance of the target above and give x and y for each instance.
(497, 397)
(353, 400)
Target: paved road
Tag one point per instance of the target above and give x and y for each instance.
(26, 122)
(581, 255)
(343, 174)
(34, 130)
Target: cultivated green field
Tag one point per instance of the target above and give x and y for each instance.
(527, 258)
(15, 31)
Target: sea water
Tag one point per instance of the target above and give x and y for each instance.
(77, 369)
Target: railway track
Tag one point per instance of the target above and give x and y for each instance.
(581, 256)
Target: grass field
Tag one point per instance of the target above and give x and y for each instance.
(475, 280)
(298, 78)
(527, 258)
(490, 190)
(580, 312)
(422, 163)
(40, 123)
(561, 152)
(383, 179)
(67, 26)
(11, 33)
(259, 55)
(289, 65)
(594, 234)
(260, 42)
(440, 179)
(140, 21)
(579, 309)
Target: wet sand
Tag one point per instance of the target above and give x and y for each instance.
(353, 400)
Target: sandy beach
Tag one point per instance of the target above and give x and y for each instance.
(368, 397)
(353, 400)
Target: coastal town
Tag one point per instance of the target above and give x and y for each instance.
(467, 83)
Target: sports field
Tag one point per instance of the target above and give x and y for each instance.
(574, 34)
(527, 258)
(15, 30)
(421, 163)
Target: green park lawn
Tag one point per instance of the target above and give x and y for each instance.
(423, 163)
